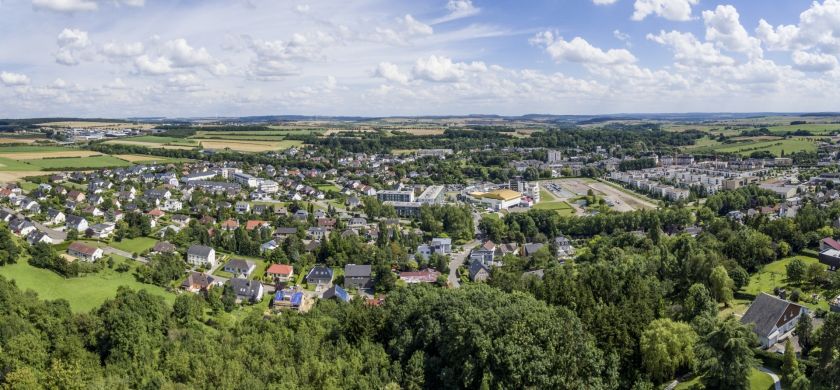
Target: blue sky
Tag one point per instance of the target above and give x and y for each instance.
(121, 58)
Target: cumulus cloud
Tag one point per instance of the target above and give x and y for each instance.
(579, 50)
(724, 28)
(70, 43)
(688, 50)
(624, 37)
(13, 79)
(818, 28)
(443, 69)
(122, 50)
(813, 62)
(153, 66)
(390, 72)
(676, 10)
(604, 2)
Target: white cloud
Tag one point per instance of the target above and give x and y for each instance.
(122, 50)
(390, 72)
(70, 43)
(724, 28)
(156, 66)
(688, 50)
(65, 5)
(183, 55)
(185, 82)
(604, 2)
(302, 8)
(579, 50)
(624, 37)
(416, 27)
(458, 9)
(818, 28)
(442, 69)
(13, 79)
(676, 10)
(272, 70)
(813, 62)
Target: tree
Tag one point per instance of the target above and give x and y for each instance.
(803, 331)
(816, 273)
(667, 346)
(228, 298)
(9, 249)
(790, 366)
(415, 372)
(187, 308)
(795, 270)
(827, 372)
(699, 303)
(721, 285)
(725, 355)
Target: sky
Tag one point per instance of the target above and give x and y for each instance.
(188, 58)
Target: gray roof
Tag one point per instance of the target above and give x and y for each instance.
(475, 267)
(765, 311)
(245, 287)
(354, 271)
(199, 250)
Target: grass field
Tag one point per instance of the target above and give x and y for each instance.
(7, 164)
(327, 187)
(54, 154)
(814, 128)
(83, 293)
(151, 145)
(156, 139)
(12, 140)
(773, 146)
(30, 149)
(774, 275)
(102, 161)
(758, 381)
(134, 245)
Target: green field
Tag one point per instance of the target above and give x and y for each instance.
(31, 148)
(83, 293)
(327, 187)
(134, 245)
(561, 207)
(814, 128)
(704, 142)
(241, 137)
(7, 164)
(154, 139)
(103, 161)
(774, 275)
(758, 381)
(773, 146)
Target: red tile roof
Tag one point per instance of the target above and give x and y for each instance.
(280, 269)
(832, 243)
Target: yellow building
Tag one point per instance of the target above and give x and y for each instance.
(498, 199)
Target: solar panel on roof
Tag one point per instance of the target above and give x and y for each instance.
(297, 298)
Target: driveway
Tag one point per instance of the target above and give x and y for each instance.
(109, 250)
(457, 260)
(776, 383)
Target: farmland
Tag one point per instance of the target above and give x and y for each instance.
(775, 147)
(255, 146)
(101, 161)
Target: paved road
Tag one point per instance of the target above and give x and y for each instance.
(457, 259)
(111, 250)
(776, 383)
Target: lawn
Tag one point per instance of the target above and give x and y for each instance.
(83, 293)
(155, 139)
(7, 164)
(776, 147)
(327, 187)
(80, 163)
(774, 275)
(134, 245)
(758, 381)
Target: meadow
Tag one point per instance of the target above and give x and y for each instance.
(101, 161)
(83, 293)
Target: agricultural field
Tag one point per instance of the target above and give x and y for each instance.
(83, 293)
(254, 146)
(9, 165)
(141, 158)
(155, 139)
(151, 145)
(21, 140)
(73, 153)
(775, 147)
(30, 149)
(101, 161)
(814, 128)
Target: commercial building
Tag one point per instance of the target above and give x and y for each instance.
(395, 196)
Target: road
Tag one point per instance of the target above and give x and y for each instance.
(776, 383)
(458, 258)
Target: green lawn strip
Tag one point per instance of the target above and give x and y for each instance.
(758, 381)
(327, 187)
(83, 293)
(134, 245)
(102, 161)
(9, 165)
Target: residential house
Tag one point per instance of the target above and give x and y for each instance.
(240, 267)
(321, 276)
(478, 271)
(280, 272)
(831, 258)
(200, 255)
(427, 275)
(316, 233)
(243, 207)
(336, 292)
(829, 243)
(246, 290)
(772, 318)
(230, 225)
(163, 247)
(198, 282)
(55, 217)
(357, 276)
(101, 230)
(84, 252)
(73, 222)
(485, 253)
